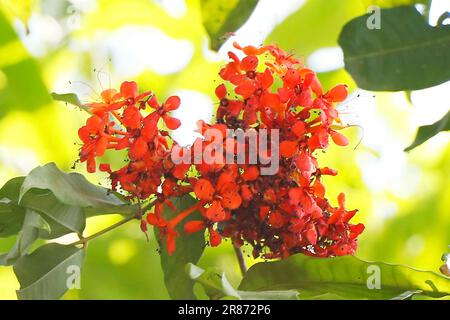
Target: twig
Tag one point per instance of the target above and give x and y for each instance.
(84, 241)
(241, 260)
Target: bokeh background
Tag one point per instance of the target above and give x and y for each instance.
(83, 46)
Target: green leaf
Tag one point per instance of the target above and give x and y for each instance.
(60, 200)
(426, 132)
(71, 98)
(11, 215)
(62, 218)
(11, 189)
(222, 16)
(73, 189)
(32, 225)
(45, 273)
(189, 248)
(405, 54)
(72, 218)
(11, 219)
(217, 287)
(347, 277)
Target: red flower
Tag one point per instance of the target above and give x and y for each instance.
(221, 199)
(129, 92)
(95, 140)
(172, 103)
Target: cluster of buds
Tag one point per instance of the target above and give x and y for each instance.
(278, 209)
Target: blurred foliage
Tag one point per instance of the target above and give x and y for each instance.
(316, 25)
(15, 93)
(122, 264)
(224, 16)
(419, 232)
(19, 9)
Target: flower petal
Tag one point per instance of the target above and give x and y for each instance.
(204, 190)
(172, 103)
(129, 89)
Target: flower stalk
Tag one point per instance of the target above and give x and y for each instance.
(241, 260)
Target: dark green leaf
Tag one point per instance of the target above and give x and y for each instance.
(216, 286)
(11, 215)
(32, 225)
(189, 248)
(11, 219)
(45, 273)
(223, 16)
(426, 132)
(405, 54)
(11, 189)
(71, 98)
(73, 189)
(347, 277)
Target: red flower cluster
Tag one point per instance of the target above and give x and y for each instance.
(278, 214)
(118, 123)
